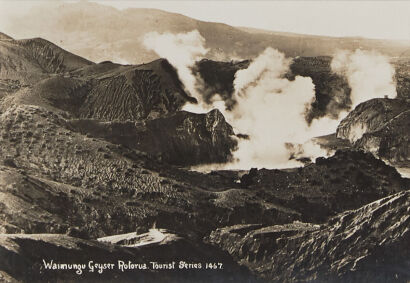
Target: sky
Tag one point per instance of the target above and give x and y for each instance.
(371, 19)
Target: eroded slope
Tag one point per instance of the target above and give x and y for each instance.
(369, 244)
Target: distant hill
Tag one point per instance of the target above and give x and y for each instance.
(99, 33)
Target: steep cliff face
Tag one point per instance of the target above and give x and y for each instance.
(332, 91)
(364, 245)
(182, 139)
(218, 77)
(391, 142)
(187, 138)
(380, 126)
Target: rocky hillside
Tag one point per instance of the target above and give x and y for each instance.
(45, 75)
(97, 180)
(364, 245)
(117, 92)
(101, 93)
(112, 189)
(380, 126)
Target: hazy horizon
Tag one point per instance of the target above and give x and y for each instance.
(366, 19)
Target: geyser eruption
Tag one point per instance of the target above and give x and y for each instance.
(369, 74)
(182, 50)
(268, 107)
(271, 110)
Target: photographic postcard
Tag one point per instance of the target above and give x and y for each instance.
(204, 141)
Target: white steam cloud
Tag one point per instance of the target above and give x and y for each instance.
(262, 110)
(269, 108)
(182, 50)
(370, 75)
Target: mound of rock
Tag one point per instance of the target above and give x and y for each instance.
(380, 126)
(347, 180)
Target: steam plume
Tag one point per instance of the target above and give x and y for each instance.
(369, 74)
(271, 110)
(182, 50)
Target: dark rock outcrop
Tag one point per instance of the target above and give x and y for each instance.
(347, 180)
(182, 139)
(369, 244)
(402, 76)
(380, 126)
(218, 77)
(332, 91)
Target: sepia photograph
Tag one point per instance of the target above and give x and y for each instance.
(191, 141)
